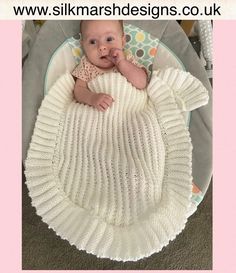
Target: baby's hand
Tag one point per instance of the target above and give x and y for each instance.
(101, 101)
(116, 55)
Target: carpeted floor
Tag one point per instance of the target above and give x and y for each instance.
(42, 249)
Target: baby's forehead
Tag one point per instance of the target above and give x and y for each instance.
(92, 27)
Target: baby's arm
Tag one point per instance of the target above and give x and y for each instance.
(82, 94)
(135, 75)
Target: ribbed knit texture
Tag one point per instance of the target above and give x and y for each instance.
(117, 183)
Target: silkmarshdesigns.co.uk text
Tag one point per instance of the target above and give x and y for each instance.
(150, 10)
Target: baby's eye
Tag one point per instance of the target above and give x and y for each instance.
(92, 41)
(110, 39)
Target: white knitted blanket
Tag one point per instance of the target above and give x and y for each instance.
(117, 183)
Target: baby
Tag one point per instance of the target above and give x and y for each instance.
(103, 43)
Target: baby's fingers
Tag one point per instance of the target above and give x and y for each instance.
(101, 108)
(115, 50)
(114, 54)
(105, 103)
(108, 100)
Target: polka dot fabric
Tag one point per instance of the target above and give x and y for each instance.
(142, 45)
(139, 43)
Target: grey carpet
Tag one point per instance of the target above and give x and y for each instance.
(42, 249)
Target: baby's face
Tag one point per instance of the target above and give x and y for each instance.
(98, 38)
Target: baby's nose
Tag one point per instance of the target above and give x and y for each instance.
(102, 49)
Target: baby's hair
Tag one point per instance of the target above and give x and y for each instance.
(82, 23)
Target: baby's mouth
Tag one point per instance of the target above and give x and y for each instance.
(103, 57)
